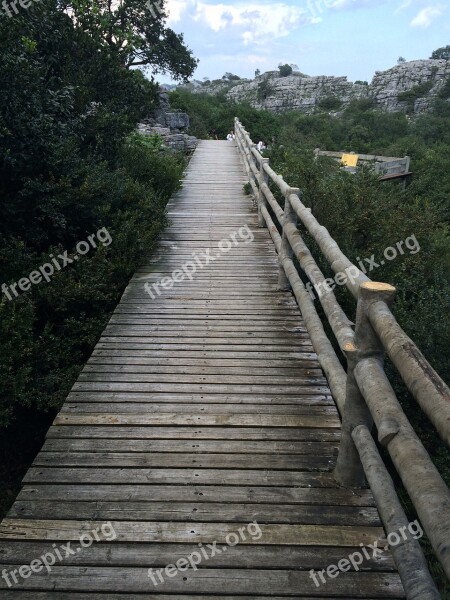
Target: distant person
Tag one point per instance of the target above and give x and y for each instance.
(213, 134)
(231, 136)
(261, 146)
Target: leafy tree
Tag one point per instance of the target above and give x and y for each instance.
(330, 103)
(257, 72)
(441, 53)
(66, 170)
(135, 33)
(285, 70)
(401, 60)
(230, 77)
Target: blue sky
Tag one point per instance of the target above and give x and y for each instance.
(323, 37)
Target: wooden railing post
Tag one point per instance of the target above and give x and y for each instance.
(349, 470)
(262, 201)
(290, 216)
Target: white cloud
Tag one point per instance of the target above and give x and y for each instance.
(353, 4)
(426, 16)
(175, 10)
(403, 6)
(255, 23)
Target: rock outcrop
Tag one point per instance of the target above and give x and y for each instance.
(408, 87)
(297, 92)
(411, 86)
(171, 126)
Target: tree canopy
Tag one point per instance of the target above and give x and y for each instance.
(285, 70)
(135, 32)
(70, 164)
(441, 53)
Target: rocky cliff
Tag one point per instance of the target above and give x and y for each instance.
(411, 86)
(408, 87)
(171, 126)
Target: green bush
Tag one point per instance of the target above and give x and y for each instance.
(285, 70)
(330, 103)
(418, 91)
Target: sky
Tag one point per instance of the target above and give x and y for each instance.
(354, 38)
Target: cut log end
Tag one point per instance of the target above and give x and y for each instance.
(378, 286)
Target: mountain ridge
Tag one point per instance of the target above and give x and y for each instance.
(409, 87)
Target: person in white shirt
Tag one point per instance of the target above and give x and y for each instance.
(230, 136)
(261, 146)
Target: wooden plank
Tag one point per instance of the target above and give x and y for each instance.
(24, 595)
(284, 339)
(175, 388)
(244, 420)
(209, 581)
(193, 433)
(202, 512)
(191, 446)
(173, 532)
(202, 398)
(287, 462)
(206, 408)
(203, 354)
(160, 555)
(149, 377)
(178, 476)
(199, 365)
(331, 496)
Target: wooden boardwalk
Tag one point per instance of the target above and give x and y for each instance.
(201, 410)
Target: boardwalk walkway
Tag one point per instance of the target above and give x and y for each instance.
(201, 410)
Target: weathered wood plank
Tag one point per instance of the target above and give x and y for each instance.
(302, 399)
(173, 532)
(224, 419)
(201, 512)
(209, 581)
(24, 595)
(173, 388)
(160, 555)
(287, 462)
(206, 408)
(193, 433)
(331, 496)
(181, 476)
(190, 446)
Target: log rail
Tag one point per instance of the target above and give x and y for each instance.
(362, 391)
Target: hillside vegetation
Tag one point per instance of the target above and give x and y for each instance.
(72, 170)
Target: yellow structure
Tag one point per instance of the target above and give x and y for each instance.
(350, 160)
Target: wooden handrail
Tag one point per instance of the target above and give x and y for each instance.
(363, 394)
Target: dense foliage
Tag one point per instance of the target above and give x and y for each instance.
(285, 70)
(70, 167)
(441, 53)
(135, 33)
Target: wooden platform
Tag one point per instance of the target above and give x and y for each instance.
(201, 410)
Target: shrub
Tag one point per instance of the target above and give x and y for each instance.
(285, 70)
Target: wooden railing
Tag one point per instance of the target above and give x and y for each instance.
(362, 391)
